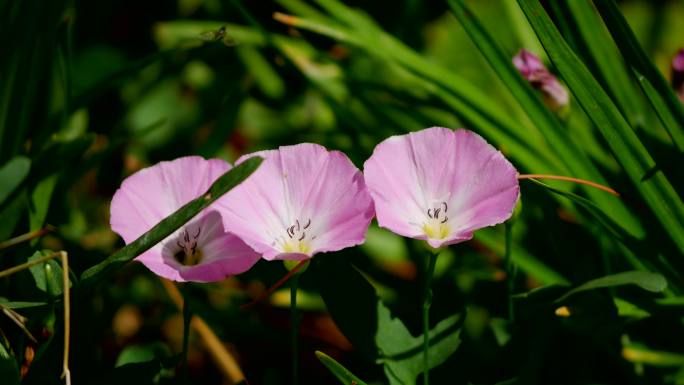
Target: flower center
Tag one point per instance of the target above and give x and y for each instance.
(437, 226)
(297, 240)
(189, 254)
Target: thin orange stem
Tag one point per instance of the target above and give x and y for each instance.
(278, 284)
(570, 179)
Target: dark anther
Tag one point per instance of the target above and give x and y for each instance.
(186, 236)
(179, 244)
(288, 232)
(198, 232)
(297, 222)
(306, 226)
(445, 206)
(436, 215)
(302, 237)
(445, 219)
(429, 214)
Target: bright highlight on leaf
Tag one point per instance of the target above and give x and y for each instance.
(201, 250)
(440, 185)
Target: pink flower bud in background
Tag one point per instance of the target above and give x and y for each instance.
(532, 69)
(678, 74)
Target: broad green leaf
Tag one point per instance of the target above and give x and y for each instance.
(653, 185)
(345, 376)
(11, 213)
(48, 275)
(379, 337)
(171, 223)
(574, 157)
(142, 353)
(40, 201)
(657, 90)
(628, 309)
(402, 354)
(12, 174)
(646, 280)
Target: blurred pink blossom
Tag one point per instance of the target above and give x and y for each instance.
(532, 69)
(678, 74)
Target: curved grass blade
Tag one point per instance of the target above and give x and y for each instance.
(646, 280)
(590, 32)
(171, 223)
(657, 90)
(574, 157)
(652, 183)
(345, 376)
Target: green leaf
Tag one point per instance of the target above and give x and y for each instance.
(574, 157)
(40, 201)
(379, 337)
(48, 275)
(653, 185)
(19, 304)
(646, 280)
(657, 90)
(9, 371)
(12, 174)
(142, 353)
(345, 376)
(171, 223)
(402, 354)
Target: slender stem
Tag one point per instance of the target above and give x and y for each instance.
(275, 286)
(570, 179)
(187, 317)
(294, 283)
(427, 302)
(510, 269)
(26, 237)
(67, 316)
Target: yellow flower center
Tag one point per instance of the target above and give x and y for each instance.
(437, 226)
(298, 240)
(295, 246)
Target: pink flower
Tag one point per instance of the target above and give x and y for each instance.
(440, 185)
(532, 69)
(678, 74)
(302, 200)
(199, 251)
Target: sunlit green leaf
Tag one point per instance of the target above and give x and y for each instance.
(342, 374)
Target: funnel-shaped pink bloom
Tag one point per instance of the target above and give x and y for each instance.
(440, 185)
(302, 200)
(199, 251)
(532, 69)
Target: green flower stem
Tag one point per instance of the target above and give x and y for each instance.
(427, 302)
(510, 269)
(294, 283)
(187, 317)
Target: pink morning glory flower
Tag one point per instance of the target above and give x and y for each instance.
(201, 250)
(678, 74)
(532, 69)
(302, 200)
(440, 185)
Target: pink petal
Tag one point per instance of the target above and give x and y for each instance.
(457, 172)
(319, 193)
(153, 193)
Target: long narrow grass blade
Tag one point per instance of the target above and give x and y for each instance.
(653, 185)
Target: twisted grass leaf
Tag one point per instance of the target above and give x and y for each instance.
(648, 281)
(657, 90)
(574, 157)
(655, 189)
(345, 376)
(171, 223)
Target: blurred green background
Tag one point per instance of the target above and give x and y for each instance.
(92, 91)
